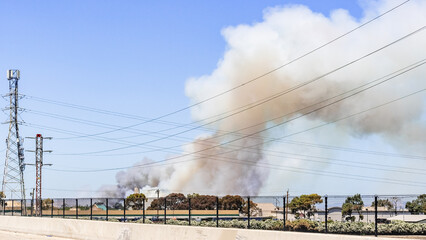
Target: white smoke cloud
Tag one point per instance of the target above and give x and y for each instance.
(284, 34)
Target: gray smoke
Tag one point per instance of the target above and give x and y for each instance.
(284, 34)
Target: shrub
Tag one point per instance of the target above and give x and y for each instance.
(305, 225)
(147, 221)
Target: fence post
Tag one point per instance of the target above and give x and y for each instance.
(189, 211)
(91, 209)
(106, 209)
(63, 207)
(165, 209)
(124, 209)
(217, 211)
(21, 206)
(326, 213)
(41, 208)
(375, 215)
(4, 206)
(76, 208)
(12, 207)
(143, 210)
(51, 210)
(32, 206)
(284, 213)
(248, 212)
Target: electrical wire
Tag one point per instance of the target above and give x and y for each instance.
(172, 158)
(258, 77)
(269, 98)
(236, 132)
(361, 91)
(334, 160)
(407, 69)
(313, 172)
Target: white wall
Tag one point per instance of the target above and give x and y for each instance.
(85, 229)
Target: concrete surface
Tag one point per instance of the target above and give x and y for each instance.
(85, 229)
(26, 236)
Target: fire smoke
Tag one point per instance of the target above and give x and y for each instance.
(284, 34)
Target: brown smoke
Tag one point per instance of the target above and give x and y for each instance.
(284, 34)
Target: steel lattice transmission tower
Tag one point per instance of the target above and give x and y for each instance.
(13, 178)
(39, 165)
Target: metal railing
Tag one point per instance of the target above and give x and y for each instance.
(212, 209)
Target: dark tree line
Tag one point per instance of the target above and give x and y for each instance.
(178, 201)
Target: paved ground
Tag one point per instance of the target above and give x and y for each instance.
(406, 237)
(4, 235)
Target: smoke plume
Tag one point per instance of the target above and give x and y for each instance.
(284, 34)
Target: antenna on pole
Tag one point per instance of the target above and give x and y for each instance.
(13, 177)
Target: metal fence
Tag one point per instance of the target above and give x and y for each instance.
(211, 210)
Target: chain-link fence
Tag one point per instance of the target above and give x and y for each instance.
(355, 214)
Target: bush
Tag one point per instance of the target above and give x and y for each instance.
(113, 220)
(147, 221)
(305, 225)
(176, 222)
(402, 228)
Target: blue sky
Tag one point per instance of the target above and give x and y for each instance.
(131, 57)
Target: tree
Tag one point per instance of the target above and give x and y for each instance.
(202, 202)
(84, 207)
(347, 211)
(118, 205)
(236, 202)
(353, 203)
(418, 205)
(231, 202)
(46, 203)
(254, 210)
(175, 201)
(135, 201)
(383, 203)
(304, 205)
(2, 197)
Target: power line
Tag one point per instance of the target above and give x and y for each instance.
(350, 161)
(309, 156)
(253, 79)
(172, 158)
(269, 98)
(412, 66)
(305, 171)
(338, 160)
(335, 160)
(259, 196)
(407, 182)
(114, 140)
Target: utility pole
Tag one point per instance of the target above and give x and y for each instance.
(13, 177)
(39, 164)
(32, 201)
(286, 211)
(158, 199)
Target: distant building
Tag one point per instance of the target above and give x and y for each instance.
(335, 214)
(267, 210)
(99, 206)
(409, 218)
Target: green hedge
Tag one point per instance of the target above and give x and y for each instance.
(304, 225)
